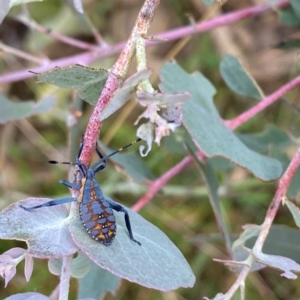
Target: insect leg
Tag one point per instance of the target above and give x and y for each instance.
(103, 166)
(50, 203)
(120, 208)
(80, 148)
(69, 184)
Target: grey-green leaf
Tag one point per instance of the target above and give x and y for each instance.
(201, 87)
(261, 142)
(238, 79)
(295, 211)
(74, 77)
(80, 265)
(4, 9)
(207, 129)
(27, 296)
(156, 264)
(45, 230)
(97, 282)
(91, 93)
(281, 240)
(210, 2)
(288, 17)
(11, 111)
(212, 186)
(295, 4)
(123, 94)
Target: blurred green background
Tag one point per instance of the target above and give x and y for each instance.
(181, 209)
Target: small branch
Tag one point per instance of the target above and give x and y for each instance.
(65, 278)
(238, 283)
(260, 106)
(118, 71)
(159, 183)
(87, 58)
(222, 20)
(59, 37)
(283, 185)
(23, 54)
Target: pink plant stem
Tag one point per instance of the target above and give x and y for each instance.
(22, 54)
(87, 58)
(222, 20)
(116, 75)
(283, 185)
(65, 39)
(157, 184)
(260, 106)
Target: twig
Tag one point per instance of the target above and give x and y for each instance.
(118, 71)
(65, 39)
(260, 106)
(157, 184)
(87, 58)
(23, 54)
(283, 185)
(65, 276)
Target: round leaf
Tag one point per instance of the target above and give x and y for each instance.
(45, 230)
(156, 264)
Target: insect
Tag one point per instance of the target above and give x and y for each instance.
(95, 211)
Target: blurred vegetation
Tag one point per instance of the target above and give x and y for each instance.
(182, 211)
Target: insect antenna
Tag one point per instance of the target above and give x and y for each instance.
(55, 162)
(103, 159)
(121, 149)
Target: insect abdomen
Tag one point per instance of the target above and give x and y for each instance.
(99, 220)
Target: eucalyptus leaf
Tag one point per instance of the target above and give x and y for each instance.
(28, 296)
(210, 2)
(11, 111)
(295, 4)
(45, 230)
(123, 94)
(4, 9)
(285, 264)
(294, 210)
(91, 286)
(238, 79)
(206, 128)
(281, 240)
(196, 84)
(80, 265)
(156, 264)
(261, 142)
(75, 77)
(212, 186)
(6, 5)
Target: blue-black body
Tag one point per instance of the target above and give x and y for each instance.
(95, 211)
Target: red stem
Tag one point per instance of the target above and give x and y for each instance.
(87, 58)
(260, 106)
(283, 185)
(116, 76)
